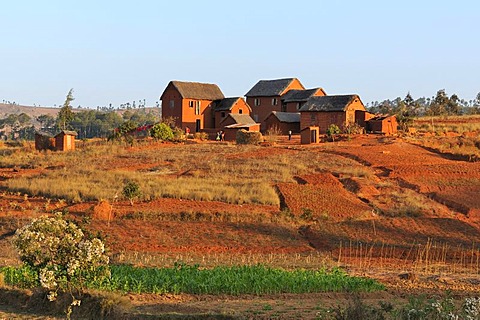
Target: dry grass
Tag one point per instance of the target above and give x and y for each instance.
(468, 147)
(313, 261)
(431, 257)
(406, 203)
(227, 173)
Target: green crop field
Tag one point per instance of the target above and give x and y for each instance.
(235, 280)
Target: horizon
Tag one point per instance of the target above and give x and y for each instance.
(116, 52)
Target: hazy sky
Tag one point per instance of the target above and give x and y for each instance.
(119, 51)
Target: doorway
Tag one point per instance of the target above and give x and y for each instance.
(197, 125)
(313, 136)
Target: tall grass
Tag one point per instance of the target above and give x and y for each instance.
(431, 257)
(232, 174)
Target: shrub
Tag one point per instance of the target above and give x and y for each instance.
(125, 132)
(332, 131)
(248, 137)
(352, 128)
(60, 255)
(131, 190)
(178, 134)
(161, 131)
(201, 136)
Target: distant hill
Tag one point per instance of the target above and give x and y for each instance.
(33, 112)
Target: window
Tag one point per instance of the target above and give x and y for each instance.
(298, 105)
(190, 104)
(240, 111)
(284, 107)
(172, 103)
(223, 114)
(197, 107)
(256, 102)
(274, 101)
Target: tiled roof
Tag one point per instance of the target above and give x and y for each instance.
(269, 88)
(241, 118)
(197, 90)
(289, 117)
(328, 103)
(299, 95)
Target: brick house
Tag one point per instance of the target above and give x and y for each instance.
(323, 111)
(222, 108)
(265, 97)
(294, 99)
(284, 121)
(190, 104)
(384, 124)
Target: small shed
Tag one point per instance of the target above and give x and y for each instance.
(310, 135)
(284, 121)
(383, 124)
(65, 140)
(44, 141)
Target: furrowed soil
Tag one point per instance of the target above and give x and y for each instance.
(375, 206)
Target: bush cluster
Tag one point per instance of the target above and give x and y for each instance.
(248, 137)
(60, 255)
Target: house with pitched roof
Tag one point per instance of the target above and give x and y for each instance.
(222, 108)
(294, 99)
(190, 104)
(265, 97)
(284, 121)
(323, 111)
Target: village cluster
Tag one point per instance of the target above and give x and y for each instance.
(284, 104)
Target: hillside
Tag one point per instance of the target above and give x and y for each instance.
(6, 109)
(372, 205)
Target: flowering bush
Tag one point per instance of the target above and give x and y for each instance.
(61, 255)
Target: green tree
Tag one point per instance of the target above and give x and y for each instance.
(161, 131)
(125, 132)
(65, 115)
(439, 104)
(453, 105)
(46, 121)
(20, 125)
(131, 190)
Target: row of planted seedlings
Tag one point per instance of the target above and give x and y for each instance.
(234, 280)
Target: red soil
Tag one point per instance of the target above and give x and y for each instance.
(324, 196)
(454, 183)
(222, 227)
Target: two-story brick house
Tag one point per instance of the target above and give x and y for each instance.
(222, 108)
(265, 97)
(190, 104)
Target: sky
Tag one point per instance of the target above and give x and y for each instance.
(119, 51)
